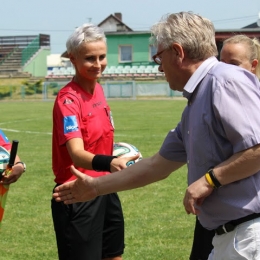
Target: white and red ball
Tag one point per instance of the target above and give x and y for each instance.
(122, 149)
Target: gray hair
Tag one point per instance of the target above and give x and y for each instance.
(194, 33)
(253, 48)
(84, 33)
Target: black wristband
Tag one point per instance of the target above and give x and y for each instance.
(214, 179)
(102, 162)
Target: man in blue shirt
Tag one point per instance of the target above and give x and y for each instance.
(218, 138)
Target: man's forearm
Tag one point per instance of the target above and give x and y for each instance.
(239, 166)
(144, 172)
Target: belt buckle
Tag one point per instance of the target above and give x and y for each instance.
(228, 227)
(224, 228)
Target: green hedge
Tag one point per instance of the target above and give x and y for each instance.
(32, 88)
(6, 91)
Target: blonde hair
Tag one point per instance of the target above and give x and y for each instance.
(84, 33)
(194, 33)
(253, 47)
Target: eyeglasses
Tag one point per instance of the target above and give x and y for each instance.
(157, 59)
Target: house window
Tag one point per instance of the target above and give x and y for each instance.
(125, 53)
(152, 51)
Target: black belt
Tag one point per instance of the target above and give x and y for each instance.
(230, 226)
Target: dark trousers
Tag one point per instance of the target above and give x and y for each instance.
(91, 230)
(202, 242)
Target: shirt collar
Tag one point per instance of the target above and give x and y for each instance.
(198, 75)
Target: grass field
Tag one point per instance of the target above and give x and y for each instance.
(157, 226)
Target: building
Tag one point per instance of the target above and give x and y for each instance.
(129, 52)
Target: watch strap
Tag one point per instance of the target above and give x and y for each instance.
(24, 165)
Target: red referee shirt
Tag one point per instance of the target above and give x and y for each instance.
(78, 114)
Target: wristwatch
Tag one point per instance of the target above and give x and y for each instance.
(24, 165)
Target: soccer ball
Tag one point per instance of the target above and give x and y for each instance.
(125, 150)
(4, 159)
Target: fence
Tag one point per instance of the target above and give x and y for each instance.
(121, 89)
(112, 89)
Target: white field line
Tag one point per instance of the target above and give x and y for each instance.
(8, 122)
(49, 133)
(28, 132)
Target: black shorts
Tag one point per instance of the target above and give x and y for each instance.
(202, 242)
(91, 230)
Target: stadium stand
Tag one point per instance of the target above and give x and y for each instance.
(60, 68)
(111, 72)
(16, 51)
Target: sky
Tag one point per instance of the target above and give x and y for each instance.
(59, 18)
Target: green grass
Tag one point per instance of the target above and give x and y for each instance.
(156, 225)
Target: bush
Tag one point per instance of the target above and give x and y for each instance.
(6, 91)
(33, 88)
(55, 91)
(55, 88)
(53, 85)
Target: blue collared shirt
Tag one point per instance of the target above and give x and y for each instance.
(222, 117)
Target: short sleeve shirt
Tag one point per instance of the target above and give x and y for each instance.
(222, 117)
(78, 114)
